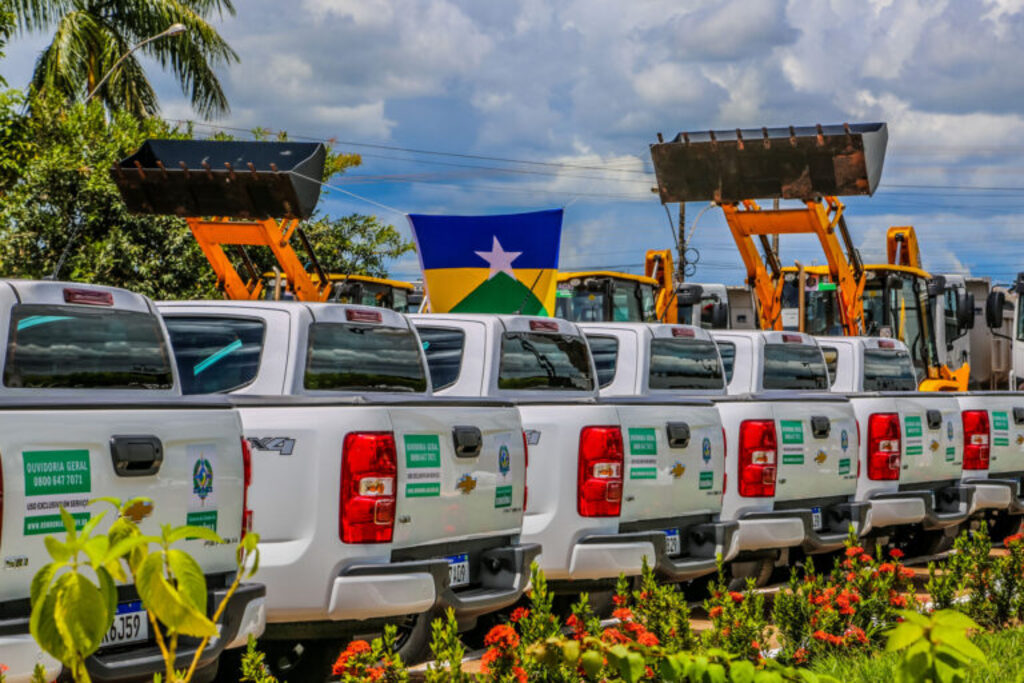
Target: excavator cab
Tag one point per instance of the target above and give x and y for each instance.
(348, 289)
(605, 296)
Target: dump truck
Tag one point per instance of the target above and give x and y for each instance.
(815, 165)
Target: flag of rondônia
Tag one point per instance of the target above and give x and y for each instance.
(489, 264)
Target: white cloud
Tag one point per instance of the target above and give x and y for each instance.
(363, 120)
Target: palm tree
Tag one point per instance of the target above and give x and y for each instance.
(91, 35)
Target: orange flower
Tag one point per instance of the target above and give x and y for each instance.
(865, 558)
(488, 659)
(800, 655)
(754, 645)
(622, 613)
(1015, 538)
(614, 636)
(502, 636)
(736, 597)
(715, 612)
(906, 573)
(896, 553)
(898, 601)
(618, 600)
(854, 551)
(519, 613)
(647, 639)
(520, 674)
(887, 568)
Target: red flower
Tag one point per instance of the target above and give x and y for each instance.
(519, 613)
(614, 636)
(736, 597)
(520, 674)
(622, 613)
(618, 600)
(865, 558)
(819, 635)
(851, 577)
(800, 655)
(887, 568)
(502, 636)
(857, 633)
(896, 553)
(375, 673)
(906, 573)
(898, 601)
(354, 649)
(754, 645)
(715, 612)
(854, 551)
(488, 659)
(647, 639)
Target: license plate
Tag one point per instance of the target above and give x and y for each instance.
(816, 518)
(458, 570)
(672, 542)
(131, 625)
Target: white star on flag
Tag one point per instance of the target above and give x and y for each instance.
(499, 259)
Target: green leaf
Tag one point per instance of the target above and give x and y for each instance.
(715, 674)
(116, 502)
(42, 625)
(82, 613)
(903, 635)
(166, 603)
(631, 666)
(914, 618)
(671, 669)
(96, 548)
(58, 551)
(951, 617)
(743, 672)
(571, 651)
(592, 663)
(69, 525)
(616, 653)
(87, 529)
(189, 578)
(126, 545)
(42, 580)
(956, 639)
(192, 533)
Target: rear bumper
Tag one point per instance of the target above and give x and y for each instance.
(606, 556)
(795, 527)
(994, 494)
(946, 507)
(1012, 485)
(20, 654)
(771, 530)
(374, 591)
(244, 615)
(704, 544)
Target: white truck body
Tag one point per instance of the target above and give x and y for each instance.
(911, 445)
(91, 406)
(798, 440)
(993, 424)
(543, 365)
(674, 439)
(333, 393)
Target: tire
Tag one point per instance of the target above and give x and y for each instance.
(300, 661)
(412, 643)
(761, 573)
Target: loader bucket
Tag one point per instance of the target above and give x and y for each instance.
(254, 180)
(786, 163)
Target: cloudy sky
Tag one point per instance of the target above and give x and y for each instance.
(472, 106)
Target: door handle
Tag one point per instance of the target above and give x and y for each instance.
(136, 455)
(821, 426)
(934, 419)
(468, 441)
(678, 434)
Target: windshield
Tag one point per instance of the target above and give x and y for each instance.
(727, 350)
(821, 307)
(893, 306)
(350, 357)
(794, 366)
(684, 364)
(605, 352)
(443, 348)
(606, 299)
(76, 347)
(215, 354)
(888, 370)
(532, 360)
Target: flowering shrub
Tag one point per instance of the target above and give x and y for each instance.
(849, 608)
(362, 661)
(739, 621)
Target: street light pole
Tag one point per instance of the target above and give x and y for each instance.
(172, 30)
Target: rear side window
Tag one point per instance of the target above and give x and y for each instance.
(794, 366)
(443, 348)
(727, 350)
(216, 355)
(544, 361)
(831, 354)
(605, 351)
(343, 357)
(888, 370)
(76, 347)
(684, 364)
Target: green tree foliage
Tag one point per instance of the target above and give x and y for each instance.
(59, 199)
(89, 36)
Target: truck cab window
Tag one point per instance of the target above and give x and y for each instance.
(684, 364)
(353, 357)
(78, 347)
(727, 350)
(831, 362)
(888, 370)
(532, 360)
(794, 366)
(215, 355)
(443, 348)
(605, 351)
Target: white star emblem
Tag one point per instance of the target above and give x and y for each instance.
(499, 259)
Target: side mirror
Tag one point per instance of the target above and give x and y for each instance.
(936, 286)
(689, 295)
(965, 310)
(1018, 285)
(720, 316)
(994, 309)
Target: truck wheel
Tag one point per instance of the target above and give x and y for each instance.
(412, 643)
(760, 570)
(304, 660)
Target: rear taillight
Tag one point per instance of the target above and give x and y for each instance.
(599, 482)
(246, 483)
(369, 465)
(89, 297)
(756, 464)
(526, 470)
(884, 447)
(976, 439)
(725, 452)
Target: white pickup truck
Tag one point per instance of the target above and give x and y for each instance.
(675, 472)
(912, 443)
(577, 446)
(375, 500)
(91, 406)
(792, 448)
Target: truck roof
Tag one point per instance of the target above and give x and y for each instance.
(76, 293)
(865, 342)
(515, 323)
(324, 312)
(769, 336)
(657, 330)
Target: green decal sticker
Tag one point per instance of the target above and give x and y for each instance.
(643, 473)
(844, 466)
(950, 454)
(51, 524)
(792, 432)
(422, 450)
(57, 473)
(912, 425)
(707, 480)
(642, 441)
(1000, 421)
(503, 497)
(914, 450)
(422, 490)
(1000, 441)
(792, 458)
(563, 293)
(207, 519)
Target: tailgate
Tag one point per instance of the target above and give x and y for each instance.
(932, 437)
(667, 475)
(817, 449)
(54, 458)
(445, 496)
(1006, 422)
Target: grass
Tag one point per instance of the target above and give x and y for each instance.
(1004, 650)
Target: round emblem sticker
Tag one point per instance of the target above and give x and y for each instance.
(504, 460)
(705, 450)
(844, 440)
(949, 430)
(202, 478)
